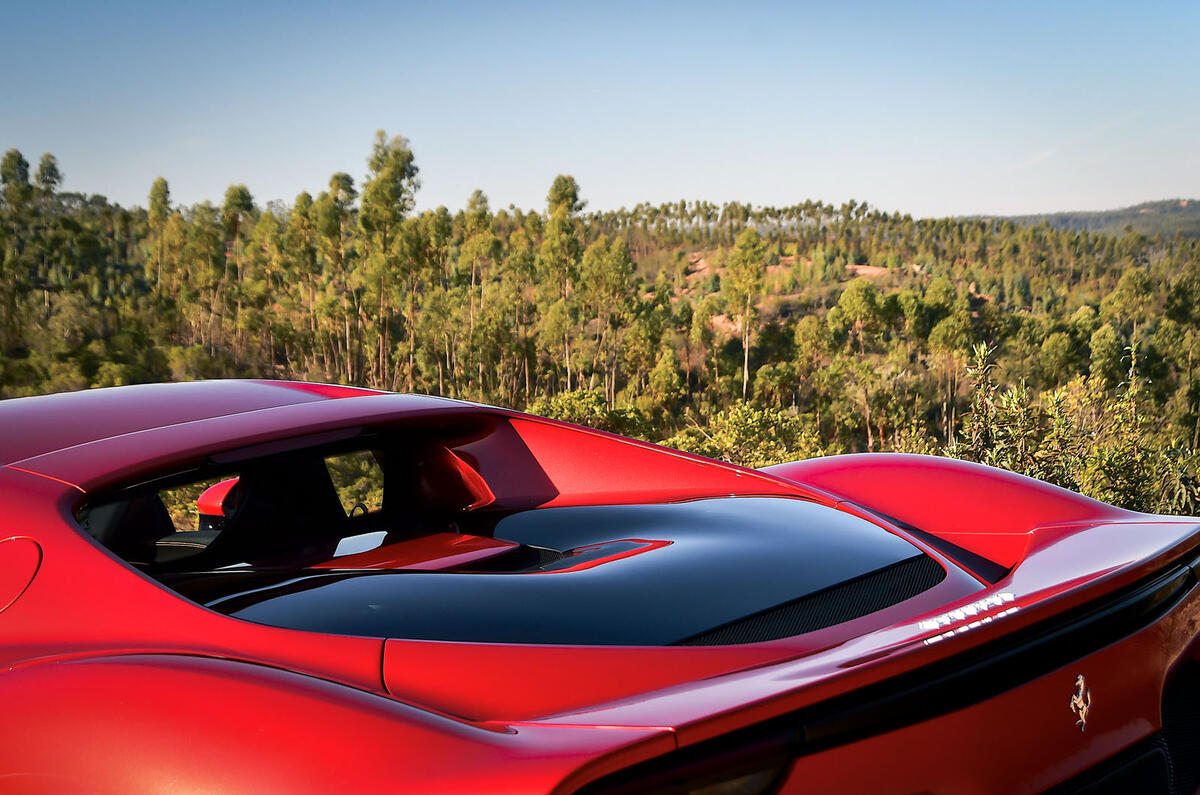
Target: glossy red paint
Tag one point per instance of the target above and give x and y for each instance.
(116, 609)
(19, 561)
(642, 545)
(450, 482)
(1023, 740)
(435, 552)
(100, 725)
(987, 511)
(500, 682)
(1061, 575)
(325, 390)
(212, 501)
(110, 681)
(595, 468)
(496, 682)
(54, 422)
(111, 461)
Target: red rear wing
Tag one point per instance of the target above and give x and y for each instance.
(988, 512)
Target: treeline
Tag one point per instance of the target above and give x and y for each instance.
(752, 333)
(1169, 217)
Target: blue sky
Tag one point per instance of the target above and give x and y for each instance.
(928, 108)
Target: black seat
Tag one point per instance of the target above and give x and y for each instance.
(131, 528)
(284, 510)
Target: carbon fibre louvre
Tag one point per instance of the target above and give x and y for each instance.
(838, 604)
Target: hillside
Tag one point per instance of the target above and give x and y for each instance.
(750, 333)
(1149, 218)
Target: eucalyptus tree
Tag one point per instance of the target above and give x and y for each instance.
(238, 206)
(158, 212)
(387, 198)
(743, 287)
(333, 214)
(1130, 303)
(521, 305)
(49, 177)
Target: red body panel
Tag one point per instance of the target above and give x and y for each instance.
(97, 464)
(54, 422)
(98, 726)
(112, 682)
(608, 469)
(62, 614)
(1022, 741)
(987, 511)
(428, 553)
(1087, 566)
(212, 501)
(19, 562)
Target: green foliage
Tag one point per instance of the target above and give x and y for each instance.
(389, 191)
(859, 304)
(564, 195)
(1106, 355)
(587, 407)
(952, 335)
(1081, 436)
(750, 436)
(160, 204)
(751, 333)
(14, 175)
(1149, 218)
(1132, 299)
(48, 175)
(358, 479)
(666, 383)
(742, 288)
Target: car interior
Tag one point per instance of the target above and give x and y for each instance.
(300, 508)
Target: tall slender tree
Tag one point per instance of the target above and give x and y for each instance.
(743, 287)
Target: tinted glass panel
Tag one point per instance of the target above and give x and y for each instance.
(358, 478)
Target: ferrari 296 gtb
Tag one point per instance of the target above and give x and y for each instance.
(260, 586)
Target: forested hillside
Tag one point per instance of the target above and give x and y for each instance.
(1166, 218)
(746, 332)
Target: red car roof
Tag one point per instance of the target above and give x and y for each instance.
(36, 425)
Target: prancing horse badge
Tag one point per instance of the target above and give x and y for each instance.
(1081, 702)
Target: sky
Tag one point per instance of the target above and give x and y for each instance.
(926, 108)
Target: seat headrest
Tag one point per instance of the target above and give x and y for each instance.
(130, 527)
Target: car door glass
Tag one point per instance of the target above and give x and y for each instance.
(358, 478)
(187, 507)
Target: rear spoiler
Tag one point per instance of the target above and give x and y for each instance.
(983, 517)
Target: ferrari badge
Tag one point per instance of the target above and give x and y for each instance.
(1081, 702)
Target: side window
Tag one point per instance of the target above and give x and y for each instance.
(193, 506)
(358, 478)
(166, 526)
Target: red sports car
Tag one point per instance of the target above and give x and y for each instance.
(254, 586)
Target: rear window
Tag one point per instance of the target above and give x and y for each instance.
(358, 479)
(296, 509)
(182, 503)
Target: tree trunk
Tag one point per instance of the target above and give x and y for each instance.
(745, 358)
(867, 411)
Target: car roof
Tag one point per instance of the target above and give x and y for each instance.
(37, 425)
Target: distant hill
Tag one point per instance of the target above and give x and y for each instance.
(1150, 218)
